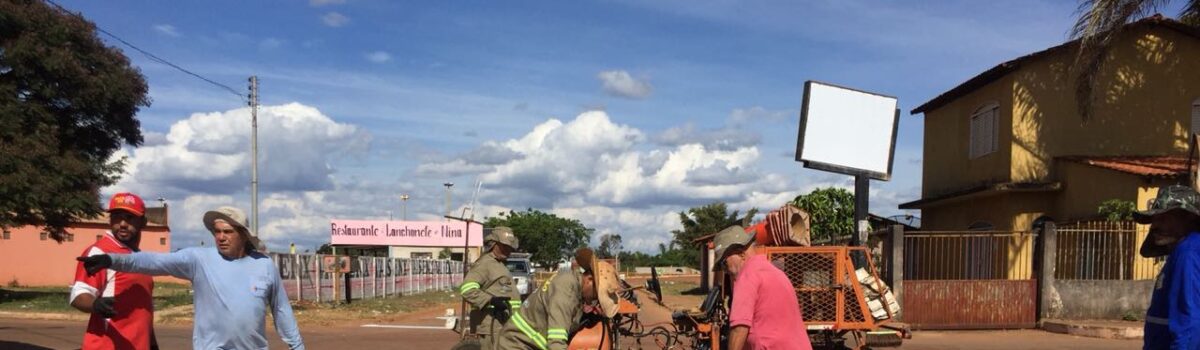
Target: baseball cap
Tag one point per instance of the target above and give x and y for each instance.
(128, 202)
(729, 237)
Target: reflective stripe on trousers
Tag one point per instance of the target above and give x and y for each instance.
(533, 335)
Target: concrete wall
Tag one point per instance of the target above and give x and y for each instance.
(432, 252)
(667, 270)
(29, 260)
(1092, 299)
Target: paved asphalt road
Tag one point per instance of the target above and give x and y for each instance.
(19, 334)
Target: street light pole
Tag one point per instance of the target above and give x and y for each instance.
(254, 151)
(404, 207)
(448, 186)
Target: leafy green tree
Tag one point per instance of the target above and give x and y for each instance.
(548, 238)
(832, 211)
(1098, 25)
(697, 222)
(1117, 210)
(67, 103)
(610, 246)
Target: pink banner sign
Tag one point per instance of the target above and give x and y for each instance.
(404, 233)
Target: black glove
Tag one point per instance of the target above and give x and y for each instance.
(500, 309)
(95, 263)
(499, 303)
(104, 307)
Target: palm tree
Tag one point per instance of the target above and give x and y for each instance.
(1099, 23)
(708, 219)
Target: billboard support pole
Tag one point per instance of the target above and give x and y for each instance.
(862, 194)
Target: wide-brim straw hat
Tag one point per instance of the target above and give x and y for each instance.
(234, 217)
(607, 284)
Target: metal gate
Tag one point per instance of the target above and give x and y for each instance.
(970, 280)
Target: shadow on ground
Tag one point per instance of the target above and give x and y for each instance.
(8, 345)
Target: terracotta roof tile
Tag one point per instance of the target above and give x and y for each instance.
(1160, 166)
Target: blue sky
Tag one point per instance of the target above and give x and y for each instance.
(617, 113)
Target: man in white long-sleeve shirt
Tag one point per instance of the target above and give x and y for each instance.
(234, 285)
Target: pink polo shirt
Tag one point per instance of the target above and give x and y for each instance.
(764, 300)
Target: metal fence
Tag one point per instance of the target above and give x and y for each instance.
(1103, 250)
(969, 280)
(968, 255)
(306, 277)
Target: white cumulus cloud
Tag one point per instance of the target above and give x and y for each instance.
(334, 19)
(613, 177)
(210, 152)
(317, 3)
(203, 162)
(619, 83)
(378, 57)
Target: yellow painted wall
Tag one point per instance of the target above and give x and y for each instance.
(1143, 103)
(961, 215)
(946, 165)
(1143, 107)
(1086, 186)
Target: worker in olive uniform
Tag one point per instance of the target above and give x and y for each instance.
(489, 287)
(554, 311)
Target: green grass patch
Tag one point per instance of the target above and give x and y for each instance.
(54, 299)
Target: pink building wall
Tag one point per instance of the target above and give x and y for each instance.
(32, 261)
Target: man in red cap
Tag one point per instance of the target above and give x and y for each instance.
(120, 302)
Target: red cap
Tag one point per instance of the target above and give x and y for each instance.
(128, 202)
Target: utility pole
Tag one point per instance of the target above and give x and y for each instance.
(404, 207)
(254, 152)
(448, 186)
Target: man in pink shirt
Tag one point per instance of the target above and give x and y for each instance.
(765, 313)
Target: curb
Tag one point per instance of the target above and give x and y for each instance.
(44, 316)
(1093, 331)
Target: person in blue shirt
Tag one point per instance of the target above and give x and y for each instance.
(1173, 319)
(234, 285)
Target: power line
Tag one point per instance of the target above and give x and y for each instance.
(156, 58)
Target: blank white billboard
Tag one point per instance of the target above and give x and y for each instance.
(847, 131)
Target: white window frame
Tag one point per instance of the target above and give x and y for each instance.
(984, 131)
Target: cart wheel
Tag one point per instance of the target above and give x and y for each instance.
(830, 340)
(468, 344)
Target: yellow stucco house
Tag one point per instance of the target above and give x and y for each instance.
(1008, 146)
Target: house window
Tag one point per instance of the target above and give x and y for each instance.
(98, 238)
(43, 236)
(162, 241)
(984, 130)
(6, 235)
(70, 237)
(1196, 116)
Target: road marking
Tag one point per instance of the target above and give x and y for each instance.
(400, 326)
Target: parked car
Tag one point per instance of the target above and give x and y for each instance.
(522, 272)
